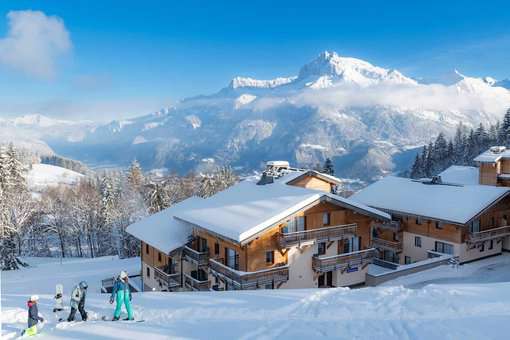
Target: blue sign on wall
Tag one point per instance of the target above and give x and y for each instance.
(353, 269)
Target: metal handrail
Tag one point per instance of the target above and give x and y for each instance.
(171, 280)
(331, 233)
(248, 280)
(382, 243)
(489, 234)
(199, 257)
(392, 225)
(324, 264)
(195, 284)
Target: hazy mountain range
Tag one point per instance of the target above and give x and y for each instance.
(366, 118)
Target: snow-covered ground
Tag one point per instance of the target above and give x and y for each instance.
(436, 311)
(42, 176)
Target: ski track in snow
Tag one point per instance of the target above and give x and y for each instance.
(435, 311)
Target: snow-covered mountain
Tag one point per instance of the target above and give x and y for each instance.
(366, 118)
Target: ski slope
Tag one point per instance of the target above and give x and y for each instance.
(42, 176)
(436, 311)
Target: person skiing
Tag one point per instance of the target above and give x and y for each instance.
(78, 301)
(121, 294)
(33, 316)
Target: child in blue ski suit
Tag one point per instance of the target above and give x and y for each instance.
(121, 294)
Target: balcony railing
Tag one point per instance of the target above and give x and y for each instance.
(249, 280)
(489, 234)
(385, 244)
(195, 284)
(171, 280)
(392, 225)
(199, 257)
(320, 235)
(323, 264)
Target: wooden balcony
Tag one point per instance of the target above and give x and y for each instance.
(323, 264)
(324, 234)
(489, 234)
(195, 284)
(201, 258)
(391, 225)
(380, 243)
(249, 280)
(167, 280)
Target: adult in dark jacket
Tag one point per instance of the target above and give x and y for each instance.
(78, 301)
(33, 316)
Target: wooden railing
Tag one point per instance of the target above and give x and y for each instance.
(488, 234)
(320, 234)
(322, 264)
(385, 244)
(392, 225)
(172, 280)
(195, 284)
(249, 280)
(199, 257)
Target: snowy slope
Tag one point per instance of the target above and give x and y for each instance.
(474, 311)
(42, 176)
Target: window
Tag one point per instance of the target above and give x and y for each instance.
(216, 248)
(321, 248)
(148, 272)
(300, 223)
(146, 249)
(418, 220)
(326, 218)
(417, 241)
(474, 226)
(408, 260)
(482, 247)
(493, 221)
(439, 225)
(270, 257)
(491, 244)
(444, 248)
(159, 256)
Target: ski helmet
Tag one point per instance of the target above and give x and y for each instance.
(34, 298)
(123, 275)
(84, 285)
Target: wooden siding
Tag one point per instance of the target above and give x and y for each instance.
(447, 232)
(494, 217)
(311, 182)
(504, 166)
(152, 258)
(212, 239)
(489, 173)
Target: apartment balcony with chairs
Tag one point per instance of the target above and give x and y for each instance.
(324, 234)
(489, 234)
(167, 278)
(383, 244)
(323, 264)
(201, 258)
(249, 280)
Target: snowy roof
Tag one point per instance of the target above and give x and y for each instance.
(454, 204)
(466, 175)
(246, 209)
(162, 230)
(493, 155)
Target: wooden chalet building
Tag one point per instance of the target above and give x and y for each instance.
(288, 230)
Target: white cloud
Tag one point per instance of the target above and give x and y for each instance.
(33, 43)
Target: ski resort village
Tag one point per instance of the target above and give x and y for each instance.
(254, 170)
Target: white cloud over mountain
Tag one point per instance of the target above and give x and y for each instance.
(34, 42)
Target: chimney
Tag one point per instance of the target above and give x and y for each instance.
(274, 170)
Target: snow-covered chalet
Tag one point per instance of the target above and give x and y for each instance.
(287, 229)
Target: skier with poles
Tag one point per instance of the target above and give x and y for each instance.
(121, 294)
(33, 317)
(78, 301)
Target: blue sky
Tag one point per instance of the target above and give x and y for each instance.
(123, 58)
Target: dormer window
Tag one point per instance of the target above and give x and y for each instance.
(326, 218)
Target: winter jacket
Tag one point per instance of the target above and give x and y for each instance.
(78, 297)
(118, 286)
(33, 314)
